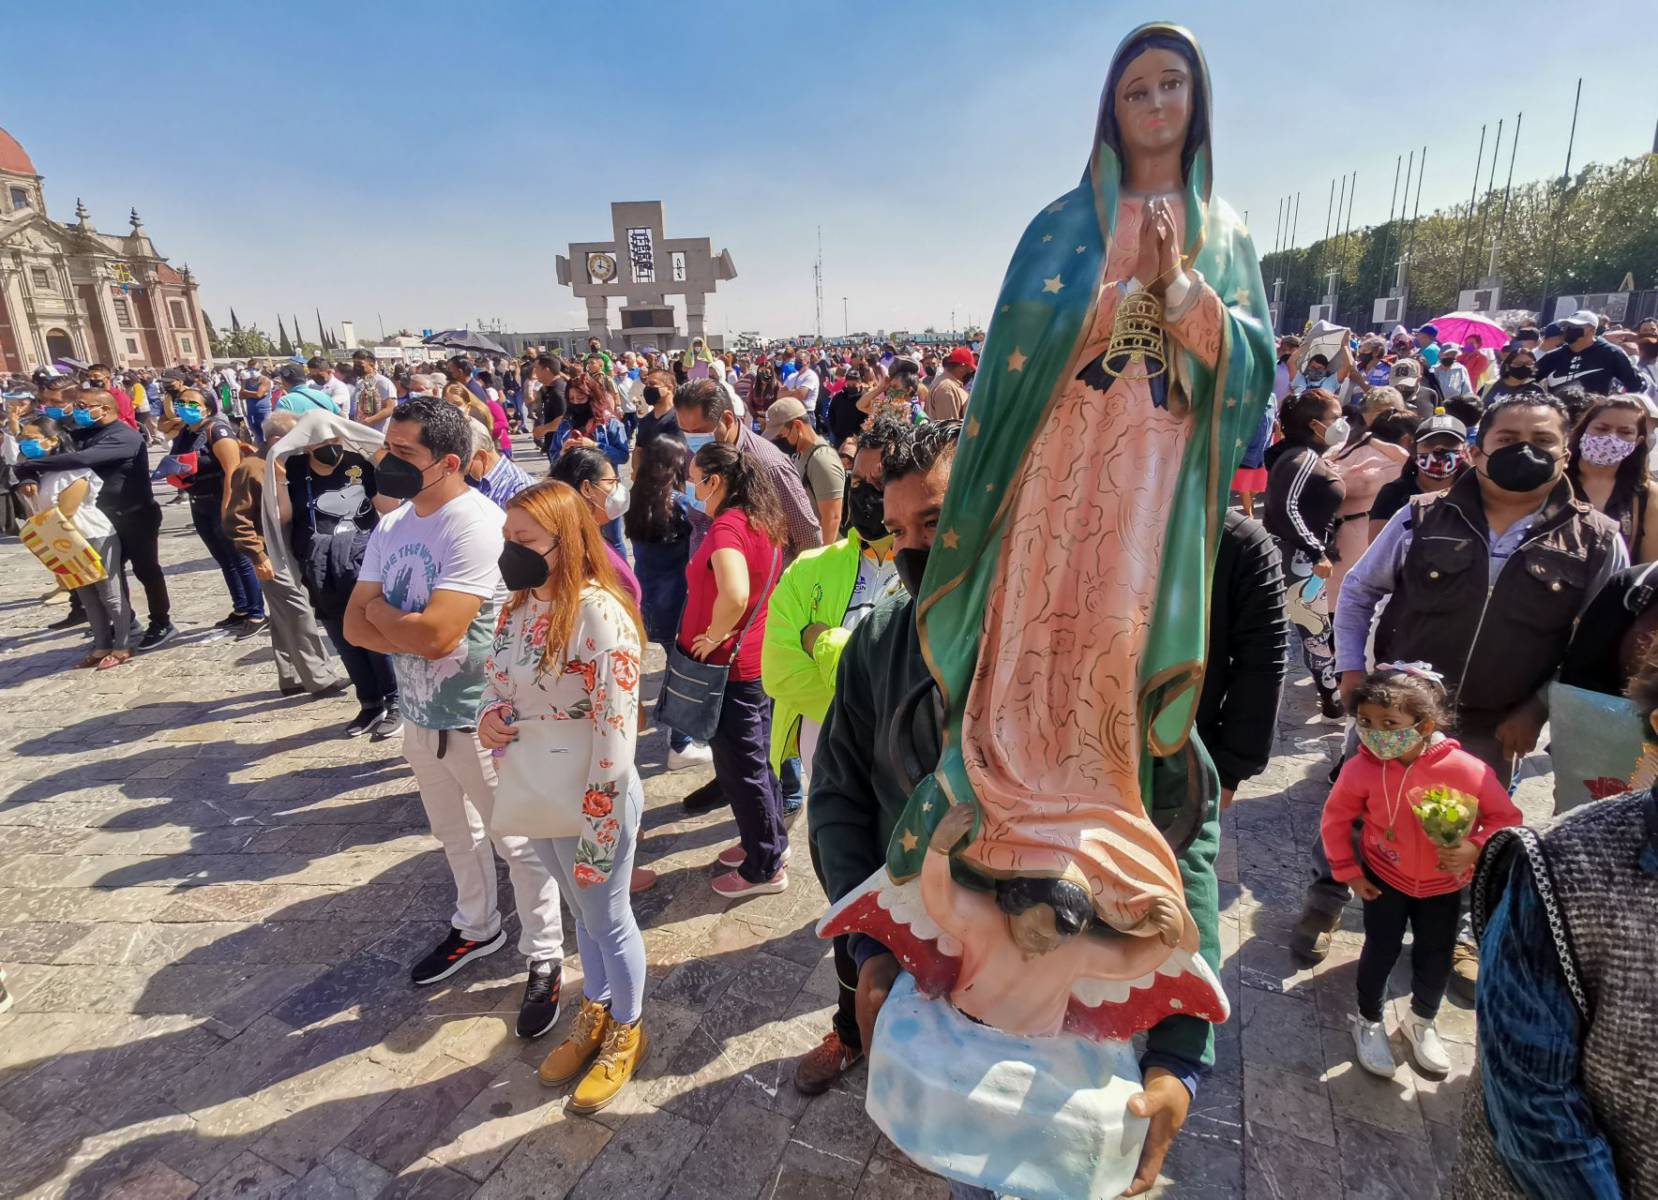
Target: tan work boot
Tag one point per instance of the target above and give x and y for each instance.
(1465, 972)
(624, 1052)
(570, 1057)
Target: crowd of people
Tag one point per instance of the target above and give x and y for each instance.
(1436, 521)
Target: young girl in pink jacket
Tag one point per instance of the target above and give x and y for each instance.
(1403, 876)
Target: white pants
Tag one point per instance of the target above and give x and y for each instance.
(458, 792)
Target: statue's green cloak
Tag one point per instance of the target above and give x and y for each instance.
(1033, 350)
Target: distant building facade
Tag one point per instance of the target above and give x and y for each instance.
(69, 291)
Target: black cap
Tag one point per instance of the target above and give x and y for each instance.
(318, 363)
(1552, 330)
(1441, 422)
(291, 374)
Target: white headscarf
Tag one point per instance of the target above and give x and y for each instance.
(311, 429)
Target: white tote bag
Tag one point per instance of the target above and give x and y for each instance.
(541, 777)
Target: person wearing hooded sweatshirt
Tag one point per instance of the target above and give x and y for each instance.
(822, 597)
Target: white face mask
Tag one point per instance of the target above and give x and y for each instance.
(1335, 433)
(616, 502)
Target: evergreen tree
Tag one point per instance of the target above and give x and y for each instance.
(235, 325)
(283, 346)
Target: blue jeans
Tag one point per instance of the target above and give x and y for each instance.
(612, 948)
(794, 794)
(245, 595)
(258, 410)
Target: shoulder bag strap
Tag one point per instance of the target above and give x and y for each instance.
(1491, 878)
(776, 569)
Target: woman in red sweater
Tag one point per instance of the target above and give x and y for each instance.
(1403, 876)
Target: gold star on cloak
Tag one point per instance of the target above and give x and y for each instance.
(909, 841)
(1052, 285)
(1241, 297)
(1082, 249)
(951, 539)
(1016, 360)
(1056, 206)
(972, 427)
(1047, 237)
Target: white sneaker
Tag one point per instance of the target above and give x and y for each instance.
(1374, 1053)
(1425, 1045)
(694, 755)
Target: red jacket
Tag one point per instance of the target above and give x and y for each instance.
(1381, 793)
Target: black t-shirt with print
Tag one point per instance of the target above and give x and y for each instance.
(207, 484)
(652, 427)
(1595, 368)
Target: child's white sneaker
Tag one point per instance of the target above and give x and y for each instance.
(1374, 1053)
(1425, 1045)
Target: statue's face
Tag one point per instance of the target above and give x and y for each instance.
(1034, 931)
(1154, 102)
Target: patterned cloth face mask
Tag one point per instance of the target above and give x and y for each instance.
(1605, 449)
(1389, 744)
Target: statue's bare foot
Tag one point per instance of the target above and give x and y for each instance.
(1165, 916)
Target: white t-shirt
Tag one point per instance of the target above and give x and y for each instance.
(92, 523)
(806, 378)
(340, 393)
(456, 549)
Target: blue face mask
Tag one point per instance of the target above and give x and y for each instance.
(56, 413)
(692, 500)
(32, 448)
(82, 419)
(190, 414)
(696, 441)
(633, 372)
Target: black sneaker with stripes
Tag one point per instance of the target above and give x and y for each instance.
(539, 1011)
(451, 954)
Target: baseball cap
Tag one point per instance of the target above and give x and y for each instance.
(961, 356)
(1583, 319)
(1403, 371)
(781, 413)
(1552, 329)
(1441, 423)
(1450, 348)
(1431, 330)
(291, 374)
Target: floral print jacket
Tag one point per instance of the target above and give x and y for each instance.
(596, 679)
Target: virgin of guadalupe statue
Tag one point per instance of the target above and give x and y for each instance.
(1063, 614)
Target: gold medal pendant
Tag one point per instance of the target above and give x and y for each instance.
(1390, 835)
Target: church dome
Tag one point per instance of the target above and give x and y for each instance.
(13, 158)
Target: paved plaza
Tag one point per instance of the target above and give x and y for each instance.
(209, 902)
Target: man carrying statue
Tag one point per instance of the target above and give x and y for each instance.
(1008, 800)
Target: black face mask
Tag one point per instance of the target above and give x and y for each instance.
(912, 565)
(783, 445)
(1521, 467)
(1521, 371)
(329, 456)
(853, 390)
(579, 415)
(399, 478)
(866, 506)
(522, 568)
(653, 394)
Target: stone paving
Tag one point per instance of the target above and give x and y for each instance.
(209, 900)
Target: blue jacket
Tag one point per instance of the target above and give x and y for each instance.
(612, 438)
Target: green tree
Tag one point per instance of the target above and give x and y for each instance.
(245, 342)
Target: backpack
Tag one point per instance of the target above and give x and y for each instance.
(338, 542)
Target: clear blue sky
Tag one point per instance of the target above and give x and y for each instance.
(426, 161)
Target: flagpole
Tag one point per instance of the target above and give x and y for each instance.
(1554, 224)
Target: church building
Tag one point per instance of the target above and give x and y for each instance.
(69, 291)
